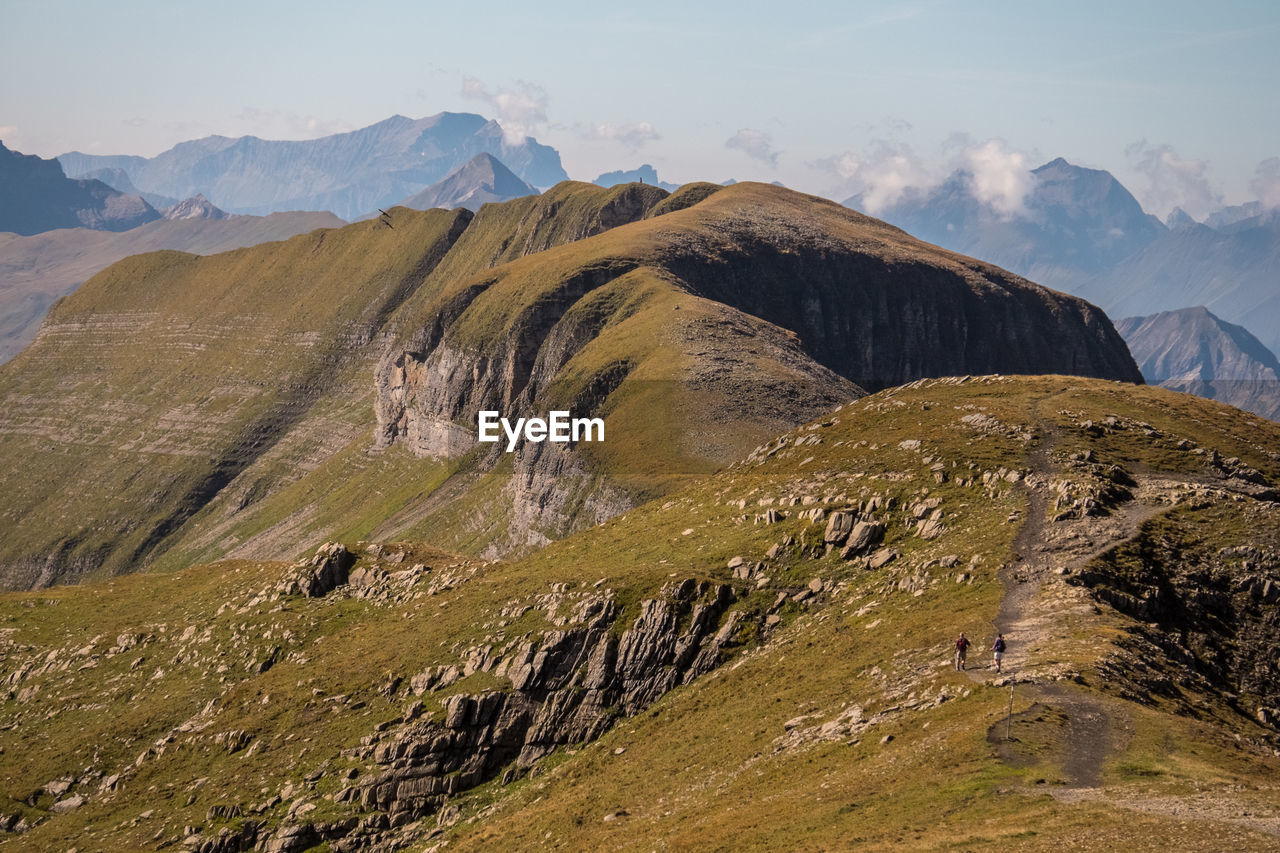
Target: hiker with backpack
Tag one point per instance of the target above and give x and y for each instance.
(962, 647)
(997, 650)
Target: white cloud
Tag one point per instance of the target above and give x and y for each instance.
(994, 174)
(632, 135)
(1266, 182)
(882, 175)
(756, 144)
(998, 177)
(1173, 181)
(9, 136)
(520, 111)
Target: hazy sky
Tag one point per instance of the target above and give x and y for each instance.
(1178, 99)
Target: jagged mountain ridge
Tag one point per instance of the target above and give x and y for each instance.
(351, 174)
(36, 196)
(532, 703)
(644, 174)
(480, 180)
(1194, 351)
(681, 318)
(39, 269)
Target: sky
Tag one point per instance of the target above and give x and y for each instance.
(1179, 100)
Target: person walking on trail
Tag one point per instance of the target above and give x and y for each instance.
(997, 650)
(962, 648)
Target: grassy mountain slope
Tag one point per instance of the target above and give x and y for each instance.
(175, 376)
(830, 716)
(170, 402)
(693, 368)
(38, 269)
(237, 321)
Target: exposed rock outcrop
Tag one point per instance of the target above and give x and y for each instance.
(1208, 616)
(568, 687)
(320, 575)
(862, 300)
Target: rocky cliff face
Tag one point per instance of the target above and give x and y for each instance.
(882, 311)
(863, 300)
(1207, 613)
(566, 688)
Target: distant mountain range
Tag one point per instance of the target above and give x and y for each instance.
(1194, 351)
(1082, 232)
(1077, 223)
(351, 174)
(1235, 272)
(645, 174)
(481, 180)
(35, 196)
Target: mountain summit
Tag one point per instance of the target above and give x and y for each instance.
(480, 180)
(644, 174)
(1194, 351)
(196, 207)
(1077, 222)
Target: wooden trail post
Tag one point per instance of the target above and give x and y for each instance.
(1008, 725)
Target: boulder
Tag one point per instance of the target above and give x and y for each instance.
(881, 558)
(864, 536)
(838, 528)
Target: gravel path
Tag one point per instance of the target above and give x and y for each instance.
(1033, 609)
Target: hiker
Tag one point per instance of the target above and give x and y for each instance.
(997, 650)
(962, 647)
